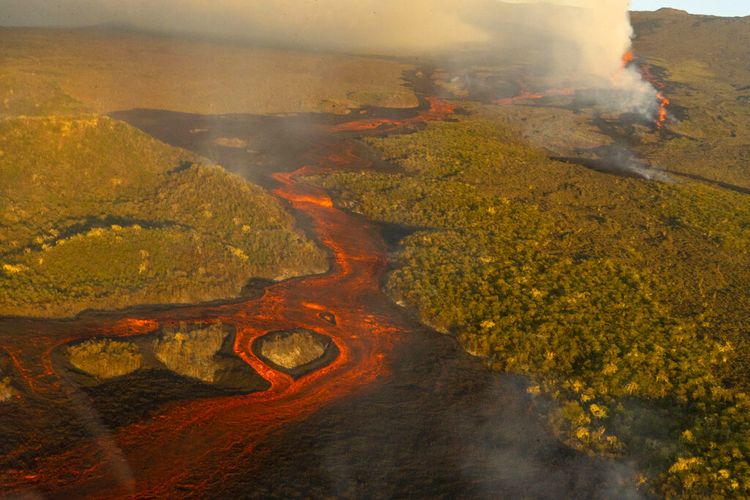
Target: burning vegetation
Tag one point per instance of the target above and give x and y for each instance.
(604, 105)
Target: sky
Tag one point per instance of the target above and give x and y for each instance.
(712, 7)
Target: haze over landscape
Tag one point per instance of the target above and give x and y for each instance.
(318, 248)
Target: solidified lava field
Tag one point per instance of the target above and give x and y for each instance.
(400, 411)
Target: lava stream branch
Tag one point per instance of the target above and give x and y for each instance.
(189, 444)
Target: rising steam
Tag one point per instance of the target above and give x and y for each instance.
(572, 42)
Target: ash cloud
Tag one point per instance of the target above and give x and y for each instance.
(568, 42)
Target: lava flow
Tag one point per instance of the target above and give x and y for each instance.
(437, 110)
(628, 58)
(663, 105)
(645, 71)
(189, 445)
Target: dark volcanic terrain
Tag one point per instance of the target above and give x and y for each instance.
(508, 290)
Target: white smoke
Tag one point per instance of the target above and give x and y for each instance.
(574, 39)
(603, 34)
(582, 44)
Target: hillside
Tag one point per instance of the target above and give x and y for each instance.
(602, 257)
(96, 214)
(623, 299)
(619, 289)
(702, 61)
(98, 68)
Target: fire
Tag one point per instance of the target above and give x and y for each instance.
(438, 109)
(663, 104)
(647, 75)
(627, 58)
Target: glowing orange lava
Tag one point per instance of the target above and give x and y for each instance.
(647, 75)
(315, 307)
(663, 104)
(627, 58)
(189, 444)
(437, 110)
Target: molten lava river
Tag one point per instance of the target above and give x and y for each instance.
(436, 405)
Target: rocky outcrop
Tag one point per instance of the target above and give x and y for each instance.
(105, 358)
(192, 353)
(201, 352)
(7, 391)
(231, 142)
(295, 351)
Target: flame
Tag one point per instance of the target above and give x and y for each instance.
(663, 104)
(439, 109)
(222, 432)
(627, 58)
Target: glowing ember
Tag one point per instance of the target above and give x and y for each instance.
(664, 102)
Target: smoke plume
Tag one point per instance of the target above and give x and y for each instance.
(568, 42)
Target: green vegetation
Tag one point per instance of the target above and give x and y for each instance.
(292, 349)
(192, 352)
(708, 82)
(26, 95)
(6, 389)
(96, 214)
(625, 300)
(199, 351)
(105, 358)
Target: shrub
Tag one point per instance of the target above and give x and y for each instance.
(105, 358)
(192, 352)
